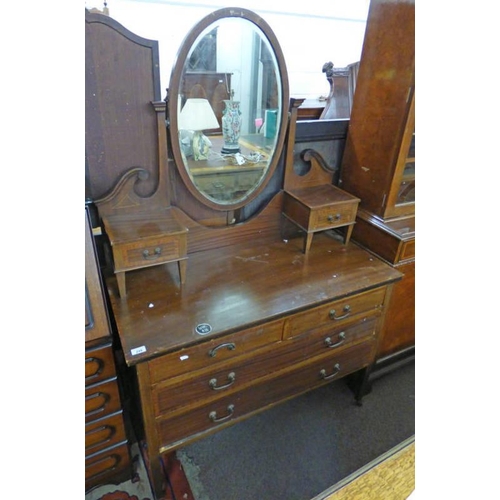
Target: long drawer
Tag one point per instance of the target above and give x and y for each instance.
(228, 377)
(105, 464)
(277, 387)
(214, 351)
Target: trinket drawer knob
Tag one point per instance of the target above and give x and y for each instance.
(146, 255)
(332, 218)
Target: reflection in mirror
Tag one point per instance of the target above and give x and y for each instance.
(229, 110)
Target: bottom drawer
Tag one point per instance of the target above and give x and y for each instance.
(107, 465)
(282, 385)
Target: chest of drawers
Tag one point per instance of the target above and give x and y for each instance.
(279, 323)
(107, 456)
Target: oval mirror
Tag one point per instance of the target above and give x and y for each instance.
(228, 107)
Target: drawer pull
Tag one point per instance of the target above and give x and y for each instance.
(332, 218)
(213, 382)
(229, 345)
(346, 310)
(101, 407)
(147, 256)
(329, 377)
(213, 415)
(328, 340)
(97, 371)
(104, 434)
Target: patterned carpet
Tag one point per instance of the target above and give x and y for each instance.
(138, 488)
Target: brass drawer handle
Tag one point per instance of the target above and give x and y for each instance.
(329, 377)
(335, 217)
(328, 340)
(213, 415)
(346, 310)
(230, 346)
(213, 382)
(147, 256)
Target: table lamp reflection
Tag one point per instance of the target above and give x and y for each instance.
(197, 115)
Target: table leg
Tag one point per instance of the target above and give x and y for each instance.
(122, 288)
(307, 242)
(348, 234)
(182, 270)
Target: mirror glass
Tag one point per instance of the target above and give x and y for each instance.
(229, 109)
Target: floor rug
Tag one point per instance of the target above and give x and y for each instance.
(389, 477)
(139, 487)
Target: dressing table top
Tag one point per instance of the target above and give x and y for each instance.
(237, 287)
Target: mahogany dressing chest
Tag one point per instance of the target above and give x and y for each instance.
(253, 320)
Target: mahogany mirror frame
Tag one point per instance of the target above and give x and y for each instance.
(174, 93)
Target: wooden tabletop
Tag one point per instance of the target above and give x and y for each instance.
(236, 287)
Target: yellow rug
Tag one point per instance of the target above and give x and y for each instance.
(390, 477)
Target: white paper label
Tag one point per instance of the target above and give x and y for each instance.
(138, 350)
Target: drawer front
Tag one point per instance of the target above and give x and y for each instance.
(407, 250)
(101, 400)
(172, 431)
(104, 432)
(334, 313)
(148, 252)
(333, 337)
(236, 374)
(104, 465)
(333, 216)
(214, 351)
(99, 365)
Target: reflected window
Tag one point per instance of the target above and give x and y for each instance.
(204, 56)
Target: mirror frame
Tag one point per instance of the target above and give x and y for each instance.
(173, 99)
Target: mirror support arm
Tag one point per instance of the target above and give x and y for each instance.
(290, 140)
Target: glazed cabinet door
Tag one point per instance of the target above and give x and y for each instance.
(401, 200)
(96, 318)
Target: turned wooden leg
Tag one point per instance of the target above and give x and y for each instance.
(122, 288)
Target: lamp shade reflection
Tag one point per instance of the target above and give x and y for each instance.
(197, 115)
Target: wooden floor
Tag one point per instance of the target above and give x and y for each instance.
(390, 477)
